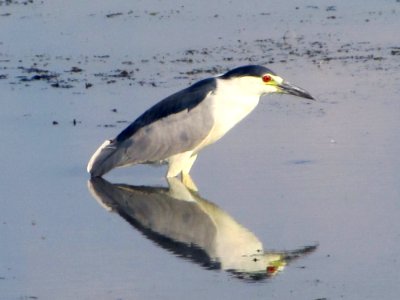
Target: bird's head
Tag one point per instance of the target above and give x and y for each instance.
(262, 80)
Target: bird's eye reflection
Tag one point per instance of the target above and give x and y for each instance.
(180, 221)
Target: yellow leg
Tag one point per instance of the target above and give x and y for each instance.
(188, 164)
(180, 163)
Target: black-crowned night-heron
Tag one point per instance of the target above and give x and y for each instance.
(177, 128)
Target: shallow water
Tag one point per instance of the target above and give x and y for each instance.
(293, 174)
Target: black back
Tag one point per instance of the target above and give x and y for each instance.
(185, 99)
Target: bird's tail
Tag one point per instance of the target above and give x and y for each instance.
(102, 160)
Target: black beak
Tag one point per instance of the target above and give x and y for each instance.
(288, 88)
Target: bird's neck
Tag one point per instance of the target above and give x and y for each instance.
(230, 105)
(234, 100)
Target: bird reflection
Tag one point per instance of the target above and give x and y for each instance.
(179, 220)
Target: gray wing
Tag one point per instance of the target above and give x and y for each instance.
(176, 124)
(176, 133)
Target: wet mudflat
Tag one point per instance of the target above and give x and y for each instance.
(312, 185)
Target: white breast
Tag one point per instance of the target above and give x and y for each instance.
(229, 105)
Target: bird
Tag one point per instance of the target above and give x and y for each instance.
(177, 128)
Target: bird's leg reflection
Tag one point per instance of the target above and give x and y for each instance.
(188, 182)
(179, 192)
(179, 220)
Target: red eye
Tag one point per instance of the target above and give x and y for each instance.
(267, 78)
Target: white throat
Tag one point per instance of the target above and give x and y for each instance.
(232, 102)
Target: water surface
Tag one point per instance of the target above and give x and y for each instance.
(294, 174)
